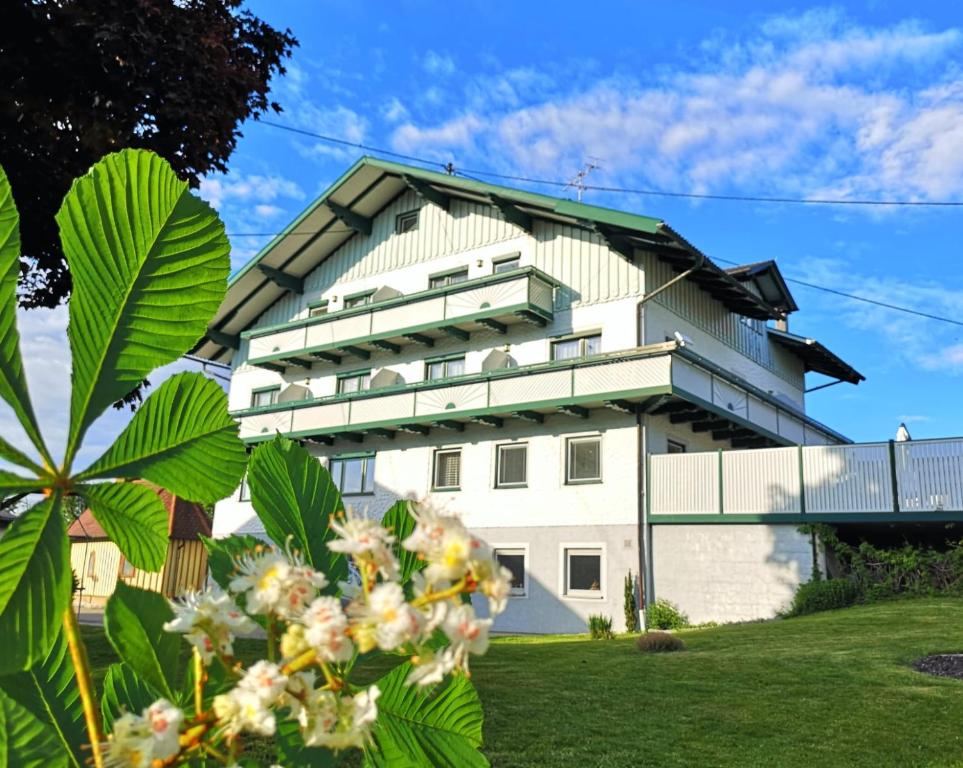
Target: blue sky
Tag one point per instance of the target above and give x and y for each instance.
(853, 101)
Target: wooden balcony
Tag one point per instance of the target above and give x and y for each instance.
(494, 303)
(866, 482)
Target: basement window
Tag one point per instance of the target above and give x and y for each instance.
(514, 560)
(583, 573)
(406, 222)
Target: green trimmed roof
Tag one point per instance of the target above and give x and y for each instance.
(344, 209)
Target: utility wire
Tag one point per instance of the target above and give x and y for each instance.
(467, 172)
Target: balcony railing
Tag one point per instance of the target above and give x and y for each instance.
(842, 482)
(493, 302)
(529, 392)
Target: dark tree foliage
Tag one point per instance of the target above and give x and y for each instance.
(81, 78)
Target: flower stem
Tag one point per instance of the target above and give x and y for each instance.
(199, 674)
(434, 597)
(88, 697)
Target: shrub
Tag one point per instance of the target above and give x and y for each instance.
(659, 642)
(600, 627)
(665, 615)
(631, 610)
(824, 595)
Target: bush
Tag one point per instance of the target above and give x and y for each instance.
(631, 612)
(659, 642)
(600, 627)
(665, 615)
(815, 596)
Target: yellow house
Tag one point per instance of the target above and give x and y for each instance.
(98, 563)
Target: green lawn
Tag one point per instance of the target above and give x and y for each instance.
(834, 689)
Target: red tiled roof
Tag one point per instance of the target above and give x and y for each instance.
(185, 520)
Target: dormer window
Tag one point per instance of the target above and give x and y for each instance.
(406, 222)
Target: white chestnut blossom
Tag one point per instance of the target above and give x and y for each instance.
(138, 740)
(209, 621)
(385, 619)
(367, 541)
(325, 630)
(468, 633)
(444, 542)
(278, 583)
(339, 722)
(431, 667)
(494, 582)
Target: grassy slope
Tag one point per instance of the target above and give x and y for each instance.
(826, 690)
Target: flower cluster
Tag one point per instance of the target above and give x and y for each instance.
(317, 630)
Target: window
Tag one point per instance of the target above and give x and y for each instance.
(514, 560)
(566, 349)
(318, 308)
(263, 397)
(92, 566)
(357, 381)
(358, 299)
(244, 494)
(447, 476)
(584, 461)
(406, 222)
(507, 264)
(674, 446)
(583, 573)
(448, 278)
(443, 369)
(511, 466)
(353, 474)
(127, 571)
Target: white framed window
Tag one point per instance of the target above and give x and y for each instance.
(356, 381)
(581, 346)
(448, 278)
(406, 222)
(358, 299)
(583, 569)
(244, 493)
(514, 557)
(583, 460)
(264, 396)
(506, 264)
(511, 465)
(443, 369)
(446, 475)
(353, 474)
(318, 308)
(674, 446)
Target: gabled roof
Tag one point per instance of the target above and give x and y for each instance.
(347, 207)
(769, 282)
(816, 357)
(185, 520)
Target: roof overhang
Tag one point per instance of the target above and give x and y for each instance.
(348, 206)
(816, 357)
(769, 283)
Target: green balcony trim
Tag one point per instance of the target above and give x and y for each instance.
(356, 295)
(400, 300)
(448, 272)
(573, 335)
(779, 518)
(352, 455)
(351, 374)
(318, 304)
(269, 388)
(445, 358)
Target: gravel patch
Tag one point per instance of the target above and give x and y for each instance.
(941, 665)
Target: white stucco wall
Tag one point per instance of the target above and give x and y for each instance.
(729, 572)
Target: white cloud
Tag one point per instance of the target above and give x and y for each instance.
(394, 110)
(808, 104)
(265, 211)
(438, 64)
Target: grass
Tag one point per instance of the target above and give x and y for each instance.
(832, 689)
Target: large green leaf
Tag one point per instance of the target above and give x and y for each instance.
(294, 495)
(149, 263)
(13, 383)
(181, 438)
(11, 484)
(291, 749)
(134, 624)
(424, 730)
(401, 523)
(134, 517)
(25, 742)
(124, 692)
(34, 585)
(13, 454)
(48, 690)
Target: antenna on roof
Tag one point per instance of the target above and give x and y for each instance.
(579, 181)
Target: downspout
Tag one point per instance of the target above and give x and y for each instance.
(642, 487)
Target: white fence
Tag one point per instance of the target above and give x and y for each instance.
(924, 475)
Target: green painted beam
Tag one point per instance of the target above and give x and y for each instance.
(282, 279)
(320, 439)
(353, 437)
(456, 333)
(414, 429)
(383, 432)
(533, 416)
(420, 338)
(489, 421)
(427, 192)
(494, 325)
(623, 406)
(708, 426)
(364, 354)
(532, 317)
(387, 346)
(684, 417)
(357, 222)
(574, 410)
(731, 434)
(300, 362)
(230, 340)
(455, 426)
(276, 367)
(797, 519)
(329, 357)
(512, 213)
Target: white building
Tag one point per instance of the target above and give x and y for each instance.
(515, 358)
